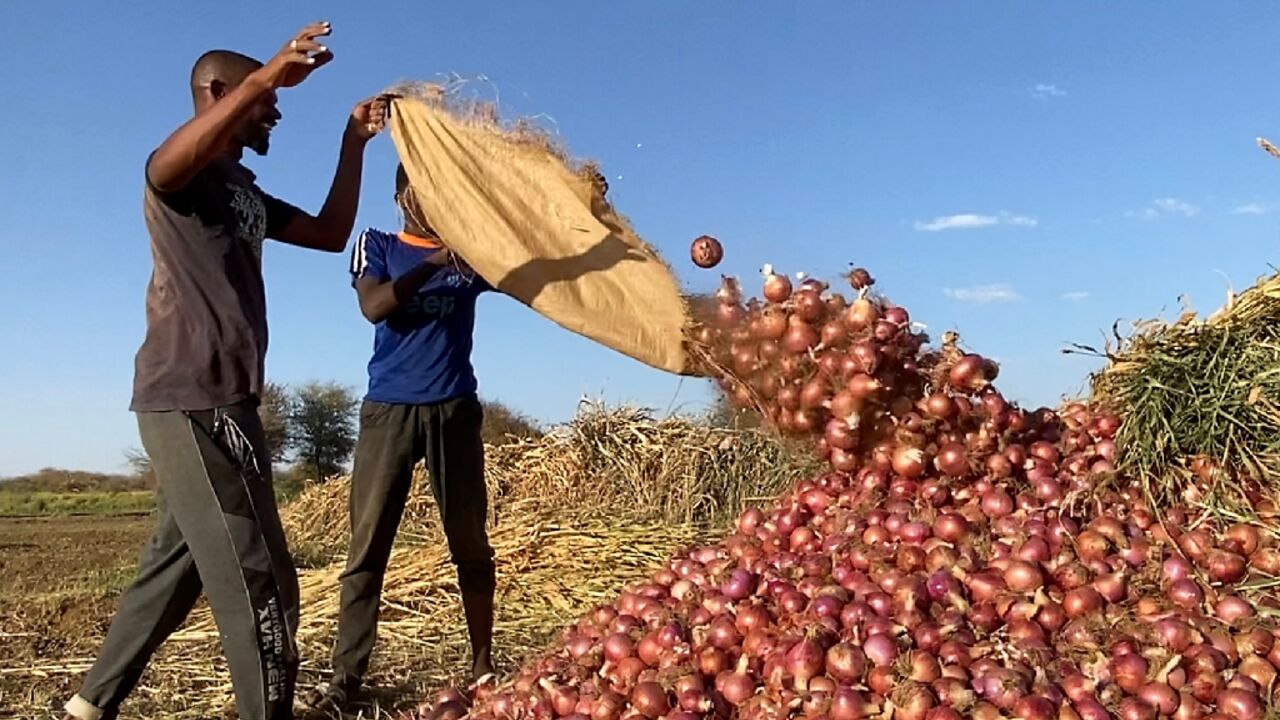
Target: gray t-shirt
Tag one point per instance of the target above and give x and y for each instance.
(206, 339)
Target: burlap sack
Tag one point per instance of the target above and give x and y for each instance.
(518, 211)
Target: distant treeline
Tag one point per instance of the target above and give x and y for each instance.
(53, 480)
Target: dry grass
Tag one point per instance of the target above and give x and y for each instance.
(606, 461)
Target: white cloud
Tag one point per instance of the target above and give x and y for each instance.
(983, 294)
(1161, 207)
(1044, 91)
(969, 221)
(1249, 209)
(1176, 206)
(956, 222)
(1075, 296)
(1018, 220)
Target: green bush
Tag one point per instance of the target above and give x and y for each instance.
(84, 503)
(502, 424)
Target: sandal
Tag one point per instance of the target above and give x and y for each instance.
(328, 696)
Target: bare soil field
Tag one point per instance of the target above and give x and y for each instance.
(59, 582)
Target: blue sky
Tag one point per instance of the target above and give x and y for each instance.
(1026, 173)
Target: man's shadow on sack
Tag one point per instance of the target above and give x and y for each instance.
(530, 279)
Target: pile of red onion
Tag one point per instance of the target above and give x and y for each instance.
(963, 558)
(848, 373)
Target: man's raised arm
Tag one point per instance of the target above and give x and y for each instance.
(191, 147)
(330, 229)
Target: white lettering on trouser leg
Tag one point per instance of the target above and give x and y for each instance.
(271, 640)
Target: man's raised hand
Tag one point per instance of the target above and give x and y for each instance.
(298, 58)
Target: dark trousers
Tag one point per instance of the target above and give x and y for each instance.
(392, 439)
(218, 531)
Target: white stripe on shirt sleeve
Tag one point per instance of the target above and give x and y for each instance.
(359, 259)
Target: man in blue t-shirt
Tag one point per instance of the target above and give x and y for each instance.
(421, 404)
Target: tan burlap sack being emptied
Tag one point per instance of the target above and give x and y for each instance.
(514, 208)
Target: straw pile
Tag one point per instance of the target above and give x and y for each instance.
(605, 461)
(1200, 400)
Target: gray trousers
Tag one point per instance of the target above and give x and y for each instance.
(393, 438)
(218, 531)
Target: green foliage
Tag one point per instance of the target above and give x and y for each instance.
(274, 410)
(1207, 388)
(322, 421)
(289, 482)
(502, 424)
(75, 503)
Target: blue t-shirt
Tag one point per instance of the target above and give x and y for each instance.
(422, 351)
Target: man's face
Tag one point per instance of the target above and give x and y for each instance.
(255, 132)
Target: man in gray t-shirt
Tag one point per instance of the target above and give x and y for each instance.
(199, 375)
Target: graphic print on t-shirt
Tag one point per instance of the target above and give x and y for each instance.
(251, 217)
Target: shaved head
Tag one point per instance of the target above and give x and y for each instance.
(217, 73)
(225, 67)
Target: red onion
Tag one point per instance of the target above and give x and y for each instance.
(1266, 561)
(1196, 544)
(803, 661)
(968, 374)
(1091, 709)
(712, 661)
(1226, 567)
(1112, 587)
(1082, 601)
(950, 527)
(740, 584)
(650, 700)
(1174, 634)
(952, 460)
(1022, 576)
(1186, 594)
(862, 314)
(723, 634)
(1232, 609)
(908, 461)
(996, 503)
(799, 336)
(1129, 671)
(1189, 708)
(849, 704)
(1257, 669)
(777, 288)
(618, 646)
(862, 386)
(809, 305)
(940, 405)
(880, 649)
(1034, 708)
(1240, 704)
(1159, 696)
(1132, 708)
